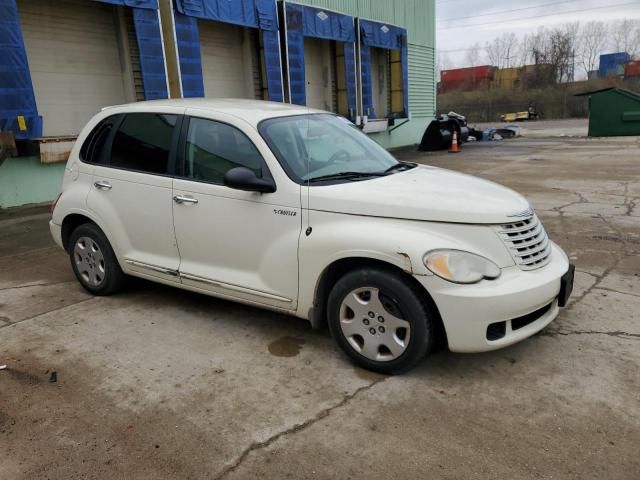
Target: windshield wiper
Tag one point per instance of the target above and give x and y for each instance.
(398, 166)
(345, 176)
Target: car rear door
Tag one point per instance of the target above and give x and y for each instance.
(131, 192)
(236, 244)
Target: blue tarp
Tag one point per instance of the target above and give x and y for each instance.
(188, 39)
(150, 4)
(16, 90)
(389, 37)
(154, 76)
(17, 98)
(305, 21)
(260, 14)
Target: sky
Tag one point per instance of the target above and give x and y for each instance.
(462, 23)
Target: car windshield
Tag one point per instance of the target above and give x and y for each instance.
(320, 147)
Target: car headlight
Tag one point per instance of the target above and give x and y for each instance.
(460, 267)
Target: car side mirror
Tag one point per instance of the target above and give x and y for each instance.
(241, 178)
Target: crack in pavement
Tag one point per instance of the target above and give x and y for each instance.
(45, 313)
(565, 333)
(35, 285)
(255, 446)
(611, 290)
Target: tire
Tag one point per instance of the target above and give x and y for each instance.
(390, 335)
(93, 261)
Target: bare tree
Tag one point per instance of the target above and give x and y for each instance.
(473, 58)
(494, 52)
(591, 43)
(510, 48)
(503, 51)
(625, 36)
(443, 62)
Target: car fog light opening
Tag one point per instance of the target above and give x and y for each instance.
(458, 266)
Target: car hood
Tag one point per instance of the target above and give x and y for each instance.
(423, 193)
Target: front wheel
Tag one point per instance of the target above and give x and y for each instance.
(380, 320)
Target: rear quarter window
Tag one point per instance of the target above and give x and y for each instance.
(94, 145)
(143, 142)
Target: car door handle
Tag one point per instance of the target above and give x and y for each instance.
(102, 185)
(181, 199)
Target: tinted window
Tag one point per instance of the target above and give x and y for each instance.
(92, 147)
(143, 142)
(214, 148)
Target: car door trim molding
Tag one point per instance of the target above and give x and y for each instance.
(154, 268)
(235, 288)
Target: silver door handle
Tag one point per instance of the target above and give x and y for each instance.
(180, 199)
(102, 185)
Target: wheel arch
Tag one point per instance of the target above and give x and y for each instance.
(72, 221)
(338, 268)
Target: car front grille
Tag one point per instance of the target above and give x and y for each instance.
(527, 242)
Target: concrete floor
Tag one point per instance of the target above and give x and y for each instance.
(159, 383)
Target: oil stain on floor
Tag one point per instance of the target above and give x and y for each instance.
(286, 346)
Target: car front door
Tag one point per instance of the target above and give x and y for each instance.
(236, 244)
(131, 193)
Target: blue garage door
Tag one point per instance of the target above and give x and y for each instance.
(255, 14)
(302, 21)
(394, 40)
(18, 109)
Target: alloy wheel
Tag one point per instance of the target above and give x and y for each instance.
(374, 325)
(89, 261)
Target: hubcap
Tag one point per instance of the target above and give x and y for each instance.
(373, 325)
(89, 261)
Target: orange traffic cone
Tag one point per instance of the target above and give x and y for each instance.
(454, 143)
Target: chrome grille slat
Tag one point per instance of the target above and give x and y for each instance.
(526, 227)
(527, 242)
(534, 241)
(540, 247)
(540, 257)
(527, 234)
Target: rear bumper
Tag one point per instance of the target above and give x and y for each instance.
(523, 301)
(56, 233)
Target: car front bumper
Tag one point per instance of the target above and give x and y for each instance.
(516, 305)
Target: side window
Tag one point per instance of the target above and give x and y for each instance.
(143, 142)
(214, 148)
(91, 150)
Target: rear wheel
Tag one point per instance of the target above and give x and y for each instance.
(93, 261)
(380, 320)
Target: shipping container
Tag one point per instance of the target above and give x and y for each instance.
(466, 79)
(612, 64)
(632, 70)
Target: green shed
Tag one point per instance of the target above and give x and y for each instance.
(613, 112)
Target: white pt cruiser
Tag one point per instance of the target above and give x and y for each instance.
(297, 211)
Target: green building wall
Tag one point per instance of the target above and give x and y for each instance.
(27, 181)
(24, 180)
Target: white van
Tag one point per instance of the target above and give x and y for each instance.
(296, 210)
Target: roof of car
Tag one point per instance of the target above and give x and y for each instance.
(253, 111)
